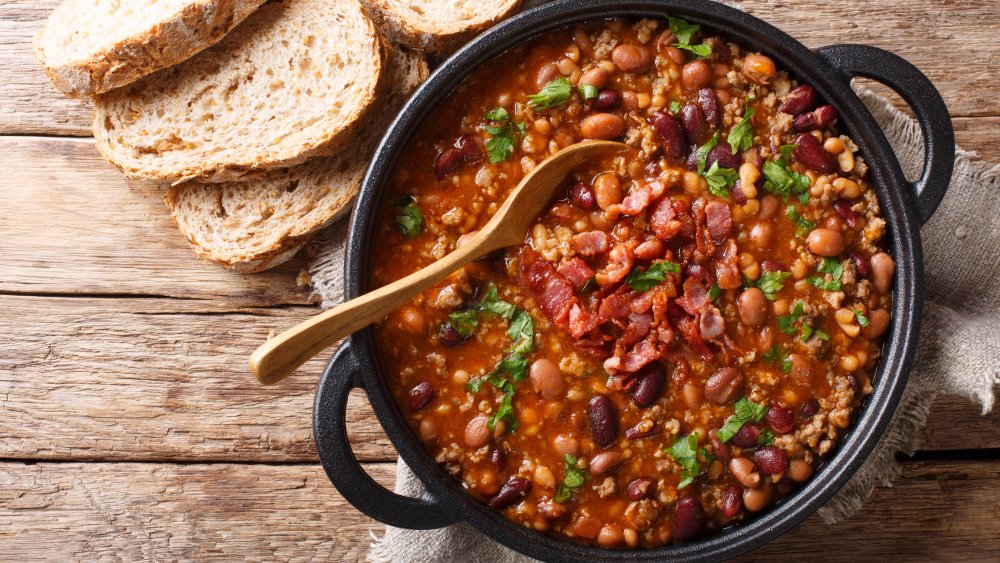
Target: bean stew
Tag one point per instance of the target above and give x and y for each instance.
(689, 328)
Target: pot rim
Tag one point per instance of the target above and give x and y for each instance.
(885, 175)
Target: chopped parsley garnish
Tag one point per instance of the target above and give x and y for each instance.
(685, 452)
(464, 322)
(804, 224)
(503, 134)
(833, 267)
(771, 283)
(720, 179)
(744, 411)
(765, 438)
(787, 323)
(675, 107)
(741, 136)
(408, 216)
(704, 150)
(573, 478)
(713, 292)
(684, 31)
(555, 93)
(780, 180)
(862, 319)
(779, 356)
(652, 276)
(589, 91)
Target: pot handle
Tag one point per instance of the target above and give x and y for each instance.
(343, 468)
(932, 115)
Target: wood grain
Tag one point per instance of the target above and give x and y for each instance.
(97, 511)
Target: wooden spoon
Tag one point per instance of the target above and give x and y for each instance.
(282, 354)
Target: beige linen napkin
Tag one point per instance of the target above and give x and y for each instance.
(959, 351)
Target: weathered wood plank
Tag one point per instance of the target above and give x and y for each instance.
(73, 512)
(152, 379)
(72, 225)
(166, 379)
(920, 31)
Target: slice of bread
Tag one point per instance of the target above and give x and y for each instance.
(437, 26)
(91, 46)
(253, 225)
(288, 84)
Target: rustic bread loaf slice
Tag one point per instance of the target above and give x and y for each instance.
(287, 84)
(437, 26)
(253, 225)
(91, 46)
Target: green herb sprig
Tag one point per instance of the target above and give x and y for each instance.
(744, 411)
(684, 32)
(652, 276)
(503, 134)
(408, 216)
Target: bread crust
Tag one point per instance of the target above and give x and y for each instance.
(196, 27)
(402, 30)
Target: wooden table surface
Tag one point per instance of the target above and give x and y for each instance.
(130, 429)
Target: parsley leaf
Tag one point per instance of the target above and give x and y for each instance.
(497, 114)
(685, 453)
(464, 322)
(833, 267)
(589, 91)
(555, 93)
(573, 476)
(684, 31)
(506, 409)
(720, 179)
(787, 322)
(704, 150)
(771, 283)
(713, 292)
(502, 136)
(804, 224)
(675, 107)
(782, 181)
(862, 319)
(766, 438)
(408, 216)
(515, 365)
(522, 331)
(741, 136)
(744, 411)
(652, 276)
(779, 356)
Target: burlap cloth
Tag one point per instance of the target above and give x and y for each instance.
(959, 351)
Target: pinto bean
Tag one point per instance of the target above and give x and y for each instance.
(768, 206)
(412, 320)
(421, 396)
(477, 433)
(512, 492)
(670, 134)
(607, 190)
(428, 430)
(762, 234)
(545, 74)
(605, 126)
(597, 77)
(603, 420)
(758, 68)
(632, 58)
(825, 242)
(565, 444)
(696, 75)
(883, 268)
(692, 395)
(689, 517)
(752, 307)
(799, 471)
(809, 152)
(878, 322)
(725, 385)
(756, 500)
(799, 100)
(745, 472)
(605, 462)
(546, 379)
(610, 535)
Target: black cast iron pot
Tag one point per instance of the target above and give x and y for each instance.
(905, 206)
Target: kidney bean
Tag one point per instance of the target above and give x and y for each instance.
(605, 462)
(447, 161)
(719, 448)
(653, 169)
(546, 379)
(605, 100)
(648, 386)
(883, 268)
(696, 74)
(709, 106)
(756, 500)
(842, 208)
(799, 471)
(723, 154)
(693, 123)
(582, 196)
(603, 420)
(799, 100)
(744, 471)
(472, 149)
(780, 419)
(752, 307)
(421, 396)
(641, 488)
(596, 77)
(670, 134)
(825, 242)
(644, 429)
(809, 152)
(477, 433)
(498, 457)
(689, 517)
(825, 115)
(732, 501)
(747, 436)
(771, 460)
(855, 384)
(605, 126)
(809, 408)
(878, 322)
(821, 117)
(512, 492)
(736, 192)
(769, 265)
(725, 385)
(449, 336)
(860, 264)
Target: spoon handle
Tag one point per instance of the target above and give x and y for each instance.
(284, 353)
